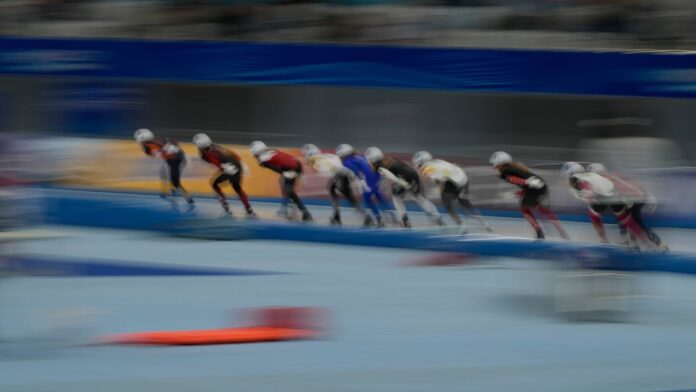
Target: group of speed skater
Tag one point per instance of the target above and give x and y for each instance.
(367, 173)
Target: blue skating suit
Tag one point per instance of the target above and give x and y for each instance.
(370, 182)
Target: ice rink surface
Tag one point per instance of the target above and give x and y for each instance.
(484, 326)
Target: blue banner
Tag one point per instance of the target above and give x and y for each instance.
(94, 106)
(650, 74)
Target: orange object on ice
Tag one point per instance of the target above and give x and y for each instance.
(213, 336)
(442, 260)
(270, 325)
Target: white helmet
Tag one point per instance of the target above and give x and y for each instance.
(571, 168)
(258, 147)
(201, 140)
(143, 135)
(310, 150)
(421, 157)
(597, 168)
(500, 158)
(343, 150)
(374, 154)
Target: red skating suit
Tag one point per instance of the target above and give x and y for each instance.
(279, 161)
(217, 155)
(163, 148)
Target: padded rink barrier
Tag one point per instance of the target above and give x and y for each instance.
(573, 254)
(147, 212)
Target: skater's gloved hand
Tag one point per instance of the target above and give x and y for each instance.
(363, 185)
(170, 148)
(650, 204)
(290, 174)
(392, 177)
(534, 182)
(432, 194)
(438, 178)
(384, 172)
(347, 172)
(230, 169)
(584, 195)
(509, 195)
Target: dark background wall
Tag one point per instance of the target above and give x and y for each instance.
(452, 123)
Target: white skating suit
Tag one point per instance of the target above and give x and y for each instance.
(327, 164)
(442, 172)
(594, 189)
(454, 188)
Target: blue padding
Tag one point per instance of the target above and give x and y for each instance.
(66, 209)
(108, 212)
(43, 266)
(582, 254)
(95, 210)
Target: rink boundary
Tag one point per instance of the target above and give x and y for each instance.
(59, 267)
(133, 213)
(671, 221)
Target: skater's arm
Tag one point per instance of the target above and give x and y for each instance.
(152, 149)
(582, 190)
(384, 172)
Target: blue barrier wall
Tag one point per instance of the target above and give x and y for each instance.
(655, 74)
(99, 210)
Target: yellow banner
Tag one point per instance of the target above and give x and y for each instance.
(122, 165)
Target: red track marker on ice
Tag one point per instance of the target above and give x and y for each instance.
(271, 325)
(442, 260)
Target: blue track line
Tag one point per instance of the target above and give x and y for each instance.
(62, 267)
